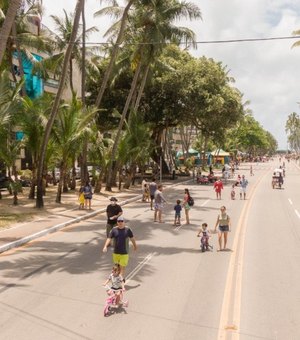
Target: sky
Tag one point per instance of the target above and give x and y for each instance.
(266, 72)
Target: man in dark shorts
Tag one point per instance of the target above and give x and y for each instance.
(152, 189)
(121, 234)
(113, 211)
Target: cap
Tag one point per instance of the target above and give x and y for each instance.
(113, 199)
(120, 218)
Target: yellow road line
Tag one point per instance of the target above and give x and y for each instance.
(231, 307)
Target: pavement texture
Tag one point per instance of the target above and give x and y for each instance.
(54, 216)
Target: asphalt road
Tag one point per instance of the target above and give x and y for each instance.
(52, 288)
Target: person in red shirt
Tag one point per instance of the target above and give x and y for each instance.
(218, 186)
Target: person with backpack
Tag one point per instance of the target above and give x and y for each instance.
(186, 204)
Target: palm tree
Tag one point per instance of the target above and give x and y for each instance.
(117, 45)
(32, 120)
(14, 5)
(53, 64)
(297, 43)
(22, 41)
(54, 110)
(10, 148)
(292, 128)
(135, 147)
(154, 22)
(71, 125)
(99, 155)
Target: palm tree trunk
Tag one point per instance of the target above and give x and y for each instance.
(118, 135)
(114, 54)
(71, 76)
(78, 11)
(141, 89)
(60, 185)
(83, 165)
(14, 5)
(14, 32)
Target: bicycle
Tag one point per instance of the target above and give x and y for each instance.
(204, 245)
(111, 300)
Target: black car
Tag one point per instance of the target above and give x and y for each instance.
(4, 181)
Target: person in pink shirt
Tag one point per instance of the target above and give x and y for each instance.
(218, 186)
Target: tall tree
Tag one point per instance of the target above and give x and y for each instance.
(115, 49)
(292, 128)
(64, 28)
(154, 22)
(71, 43)
(7, 25)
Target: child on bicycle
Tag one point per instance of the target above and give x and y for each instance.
(116, 283)
(177, 209)
(205, 235)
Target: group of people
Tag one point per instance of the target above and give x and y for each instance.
(159, 202)
(118, 234)
(85, 196)
(241, 182)
(223, 223)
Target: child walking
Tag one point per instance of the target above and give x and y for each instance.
(81, 198)
(177, 209)
(146, 195)
(232, 194)
(116, 283)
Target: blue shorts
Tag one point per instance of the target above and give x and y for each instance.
(223, 228)
(177, 215)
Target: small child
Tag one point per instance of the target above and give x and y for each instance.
(232, 194)
(81, 199)
(204, 232)
(117, 283)
(177, 209)
(146, 193)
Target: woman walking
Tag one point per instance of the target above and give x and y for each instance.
(186, 205)
(224, 224)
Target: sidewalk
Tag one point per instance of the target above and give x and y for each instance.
(57, 216)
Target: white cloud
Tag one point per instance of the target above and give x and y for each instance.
(267, 72)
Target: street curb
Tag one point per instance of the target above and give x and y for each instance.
(60, 226)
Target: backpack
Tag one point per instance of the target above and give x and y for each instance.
(190, 201)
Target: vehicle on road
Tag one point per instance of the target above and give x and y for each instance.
(277, 178)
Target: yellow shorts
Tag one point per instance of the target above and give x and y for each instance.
(121, 259)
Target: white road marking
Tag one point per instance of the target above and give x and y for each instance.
(204, 203)
(291, 203)
(297, 213)
(139, 266)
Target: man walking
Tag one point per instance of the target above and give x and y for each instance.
(113, 211)
(243, 187)
(121, 234)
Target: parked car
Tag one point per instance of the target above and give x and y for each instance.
(4, 181)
